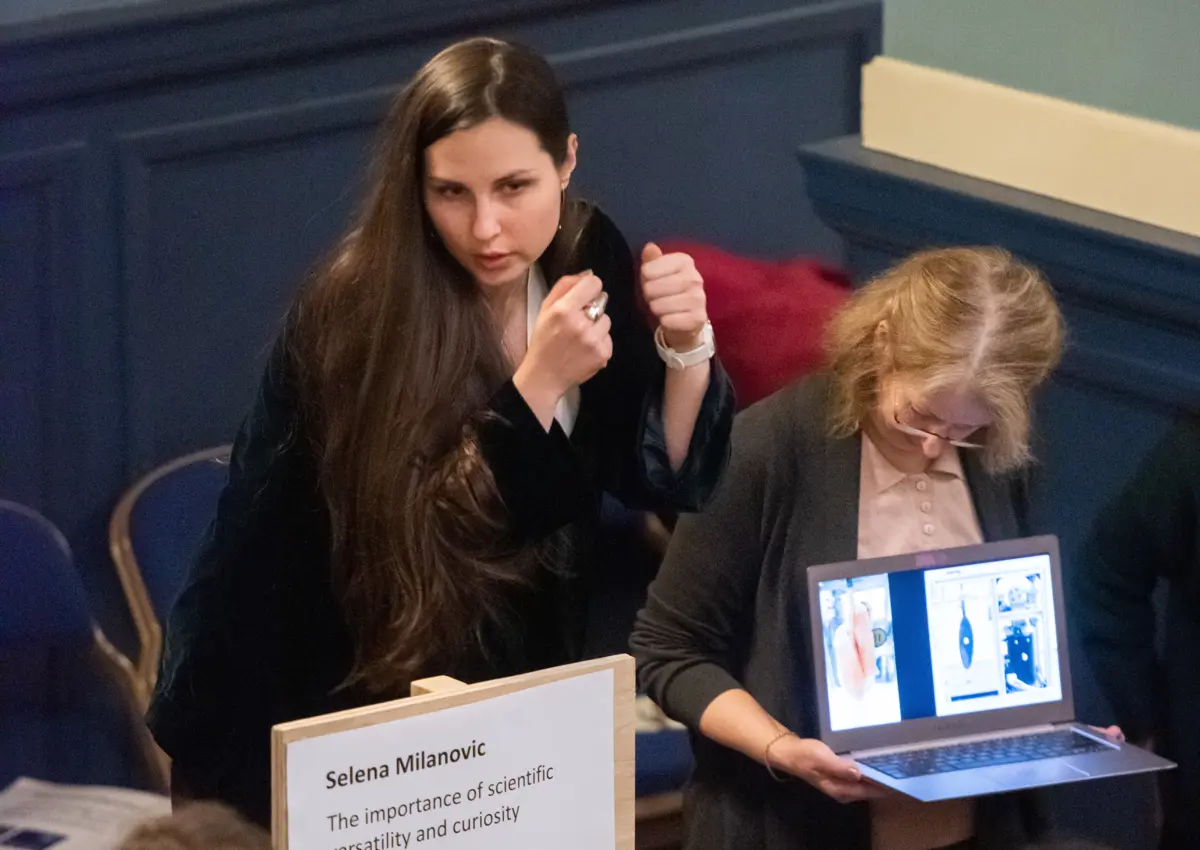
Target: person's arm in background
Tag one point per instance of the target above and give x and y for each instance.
(1147, 533)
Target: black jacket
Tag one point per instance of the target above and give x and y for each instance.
(257, 637)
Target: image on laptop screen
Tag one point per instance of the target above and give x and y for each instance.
(939, 642)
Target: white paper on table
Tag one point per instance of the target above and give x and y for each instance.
(37, 815)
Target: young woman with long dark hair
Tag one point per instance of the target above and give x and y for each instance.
(416, 490)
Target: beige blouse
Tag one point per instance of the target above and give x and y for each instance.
(899, 513)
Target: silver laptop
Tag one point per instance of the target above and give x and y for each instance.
(945, 674)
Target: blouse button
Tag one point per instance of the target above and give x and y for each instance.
(926, 507)
(928, 529)
(922, 485)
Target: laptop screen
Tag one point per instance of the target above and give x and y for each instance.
(941, 641)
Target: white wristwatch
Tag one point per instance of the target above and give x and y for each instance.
(683, 359)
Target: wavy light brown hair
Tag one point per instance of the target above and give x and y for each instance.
(956, 317)
(397, 351)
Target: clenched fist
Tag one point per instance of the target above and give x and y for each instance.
(674, 292)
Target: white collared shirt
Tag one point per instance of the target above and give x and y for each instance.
(535, 293)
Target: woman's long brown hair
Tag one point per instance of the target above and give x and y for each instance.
(397, 354)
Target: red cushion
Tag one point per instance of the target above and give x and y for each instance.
(768, 317)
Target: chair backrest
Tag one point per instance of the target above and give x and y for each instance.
(42, 601)
(153, 535)
(63, 708)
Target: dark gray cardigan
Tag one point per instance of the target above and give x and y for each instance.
(729, 610)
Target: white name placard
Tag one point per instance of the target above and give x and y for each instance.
(536, 761)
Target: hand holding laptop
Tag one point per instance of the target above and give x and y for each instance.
(820, 767)
(815, 763)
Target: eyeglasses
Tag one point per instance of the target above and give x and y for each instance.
(914, 431)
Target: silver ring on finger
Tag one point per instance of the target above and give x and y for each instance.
(595, 308)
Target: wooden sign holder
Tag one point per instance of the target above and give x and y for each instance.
(442, 692)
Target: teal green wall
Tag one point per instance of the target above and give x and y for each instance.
(1140, 57)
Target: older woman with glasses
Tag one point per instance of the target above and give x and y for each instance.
(912, 438)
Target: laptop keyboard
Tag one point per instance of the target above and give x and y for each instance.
(996, 751)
